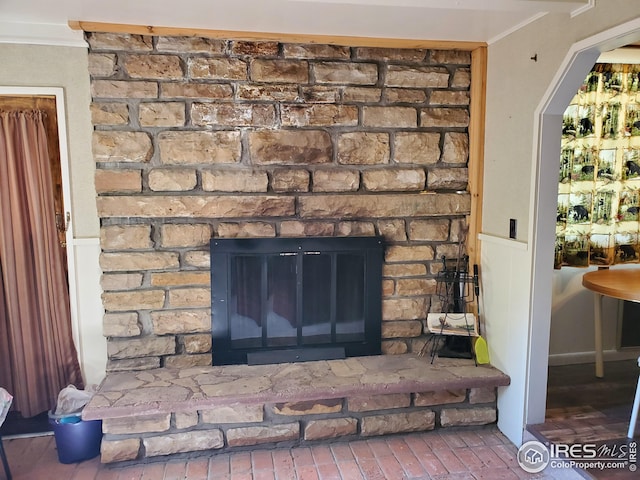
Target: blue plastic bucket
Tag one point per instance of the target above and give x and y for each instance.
(76, 439)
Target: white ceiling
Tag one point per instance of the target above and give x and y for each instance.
(46, 21)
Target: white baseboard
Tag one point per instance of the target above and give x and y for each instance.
(590, 357)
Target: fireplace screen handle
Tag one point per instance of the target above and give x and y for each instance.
(289, 254)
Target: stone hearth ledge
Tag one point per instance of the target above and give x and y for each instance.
(168, 390)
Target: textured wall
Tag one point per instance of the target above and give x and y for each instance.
(198, 138)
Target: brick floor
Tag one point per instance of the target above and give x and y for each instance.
(479, 453)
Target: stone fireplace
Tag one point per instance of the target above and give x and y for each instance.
(200, 142)
(198, 138)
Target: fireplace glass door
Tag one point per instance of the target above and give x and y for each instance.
(291, 299)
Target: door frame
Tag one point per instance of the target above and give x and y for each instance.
(58, 93)
(548, 122)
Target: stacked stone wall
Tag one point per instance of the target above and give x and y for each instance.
(239, 426)
(197, 138)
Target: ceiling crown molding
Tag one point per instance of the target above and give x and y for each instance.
(41, 34)
(479, 21)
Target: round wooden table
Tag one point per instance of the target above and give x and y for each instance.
(623, 284)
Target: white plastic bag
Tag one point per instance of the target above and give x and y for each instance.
(5, 403)
(72, 400)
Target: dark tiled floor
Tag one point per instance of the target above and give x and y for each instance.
(584, 409)
(470, 454)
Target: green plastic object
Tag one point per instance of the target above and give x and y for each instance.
(481, 350)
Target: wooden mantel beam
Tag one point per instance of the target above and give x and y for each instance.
(344, 40)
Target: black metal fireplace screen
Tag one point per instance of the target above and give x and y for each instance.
(277, 300)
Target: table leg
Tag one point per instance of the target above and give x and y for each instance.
(598, 334)
(634, 410)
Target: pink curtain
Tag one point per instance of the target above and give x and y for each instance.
(37, 354)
